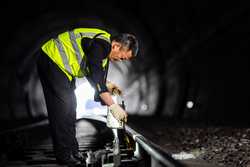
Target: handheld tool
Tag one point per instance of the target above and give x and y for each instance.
(114, 124)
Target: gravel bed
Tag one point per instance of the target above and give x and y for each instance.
(222, 146)
(229, 147)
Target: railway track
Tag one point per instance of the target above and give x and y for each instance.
(31, 146)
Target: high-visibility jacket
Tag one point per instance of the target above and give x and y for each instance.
(67, 53)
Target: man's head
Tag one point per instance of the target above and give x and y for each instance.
(123, 47)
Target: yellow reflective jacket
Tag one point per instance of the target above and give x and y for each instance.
(67, 53)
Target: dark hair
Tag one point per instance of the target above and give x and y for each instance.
(127, 40)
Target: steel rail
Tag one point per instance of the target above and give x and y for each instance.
(159, 158)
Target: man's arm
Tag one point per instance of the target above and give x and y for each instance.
(97, 79)
(107, 98)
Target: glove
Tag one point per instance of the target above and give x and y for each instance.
(118, 112)
(113, 89)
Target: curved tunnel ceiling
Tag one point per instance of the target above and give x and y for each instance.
(169, 70)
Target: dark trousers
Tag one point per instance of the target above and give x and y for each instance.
(61, 106)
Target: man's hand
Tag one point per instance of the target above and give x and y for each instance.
(118, 112)
(113, 89)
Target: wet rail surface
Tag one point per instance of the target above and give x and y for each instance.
(32, 146)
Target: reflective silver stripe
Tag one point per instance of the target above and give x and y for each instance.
(104, 38)
(91, 35)
(75, 46)
(63, 55)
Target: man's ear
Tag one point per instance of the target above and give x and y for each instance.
(116, 45)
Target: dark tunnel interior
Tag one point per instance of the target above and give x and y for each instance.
(191, 52)
(187, 53)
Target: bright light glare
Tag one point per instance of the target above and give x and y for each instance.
(85, 101)
(190, 104)
(144, 107)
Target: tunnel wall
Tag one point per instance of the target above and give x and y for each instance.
(220, 76)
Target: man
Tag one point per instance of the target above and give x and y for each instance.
(81, 52)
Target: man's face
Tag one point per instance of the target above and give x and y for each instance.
(119, 53)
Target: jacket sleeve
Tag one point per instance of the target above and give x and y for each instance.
(97, 52)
